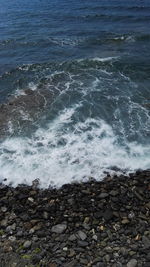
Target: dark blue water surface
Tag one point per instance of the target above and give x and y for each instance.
(93, 57)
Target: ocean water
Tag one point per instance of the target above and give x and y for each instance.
(74, 89)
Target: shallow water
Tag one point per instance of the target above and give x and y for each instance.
(75, 84)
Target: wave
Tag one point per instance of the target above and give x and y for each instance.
(75, 120)
(57, 155)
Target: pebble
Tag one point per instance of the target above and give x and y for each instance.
(3, 209)
(59, 228)
(81, 235)
(72, 238)
(108, 214)
(82, 243)
(103, 195)
(146, 242)
(57, 232)
(27, 244)
(12, 238)
(132, 263)
(125, 221)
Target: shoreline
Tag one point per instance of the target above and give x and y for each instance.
(95, 223)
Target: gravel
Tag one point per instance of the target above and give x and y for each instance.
(94, 224)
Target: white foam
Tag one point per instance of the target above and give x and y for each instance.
(100, 59)
(65, 151)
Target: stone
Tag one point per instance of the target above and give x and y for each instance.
(114, 193)
(72, 238)
(82, 243)
(148, 256)
(3, 209)
(72, 253)
(11, 227)
(132, 263)
(146, 242)
(12, 238)
(7, 249)
(31, 199)
(65, 249)
(108, 214)
(125, 221)
(81, 235)
(95, 237)
(45, 215)
(103, 195)
(72, 263)
(36, 259)
(59, 228)
(86, 220)
(4, 222)
(27, 244)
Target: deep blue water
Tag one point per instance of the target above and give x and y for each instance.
(93, 58)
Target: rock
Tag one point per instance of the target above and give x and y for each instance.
(11, 228)
(30, 199)
(86, 220)
(131, 215)
(3, 209)
(72, 263)
(65, 249)
(59, 228)
(36, 259)
(148, 256)
(4, 222)
(84, 261)
(52, 264)
(81, 235)
(103, 195)
(72, 253)
(27, 244)
(146, 242)
(98, 214)
(19, 233)
(45, 215)
(82, 243)
(125, 221)
(95, 237)
(12, 238)
(114, 193)
(72, 238)
(108, 214)
(106, 258)
(7, 249)
(132, 263)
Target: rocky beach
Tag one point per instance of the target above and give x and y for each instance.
(97, 224)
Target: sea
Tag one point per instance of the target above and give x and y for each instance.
(74, 90)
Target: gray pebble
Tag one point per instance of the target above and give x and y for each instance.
(132, 263)
(27, 244)
(81, 235)
(59, 228)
